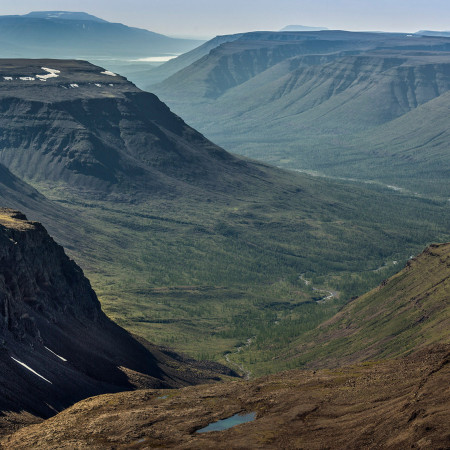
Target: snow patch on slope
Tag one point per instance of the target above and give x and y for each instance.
(30, 369)
(60, 357)
(52, 73)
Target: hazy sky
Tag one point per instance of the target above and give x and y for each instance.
(212, 17)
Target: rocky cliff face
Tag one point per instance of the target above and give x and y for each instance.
(39, 283)
(56, 344)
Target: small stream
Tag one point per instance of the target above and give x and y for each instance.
(247, 373)
(329, 294)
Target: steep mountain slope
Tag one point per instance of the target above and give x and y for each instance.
(14, 192)
(418, 138)
(74, 35)
(74, 122)
(173, 66)
(406, 312)
(347, 92)
(57, 346)
(318, 103)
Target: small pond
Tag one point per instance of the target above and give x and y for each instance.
(224, 424)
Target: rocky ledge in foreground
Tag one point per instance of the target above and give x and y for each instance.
(395, 404)
(56, 345)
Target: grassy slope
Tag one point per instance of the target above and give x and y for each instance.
(407, 311)
(420, 138)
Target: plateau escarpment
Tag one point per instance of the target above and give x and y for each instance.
(339, 102)
(160, 73)
(57, 346)
(74, 123)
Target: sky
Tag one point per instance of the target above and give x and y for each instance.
(207, 18)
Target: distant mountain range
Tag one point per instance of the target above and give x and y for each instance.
(346, 104)
(77, 34)
(433, 33)
(63, 15)
(302, 28)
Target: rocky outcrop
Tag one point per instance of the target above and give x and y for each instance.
(56, 344)
(39, 283)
